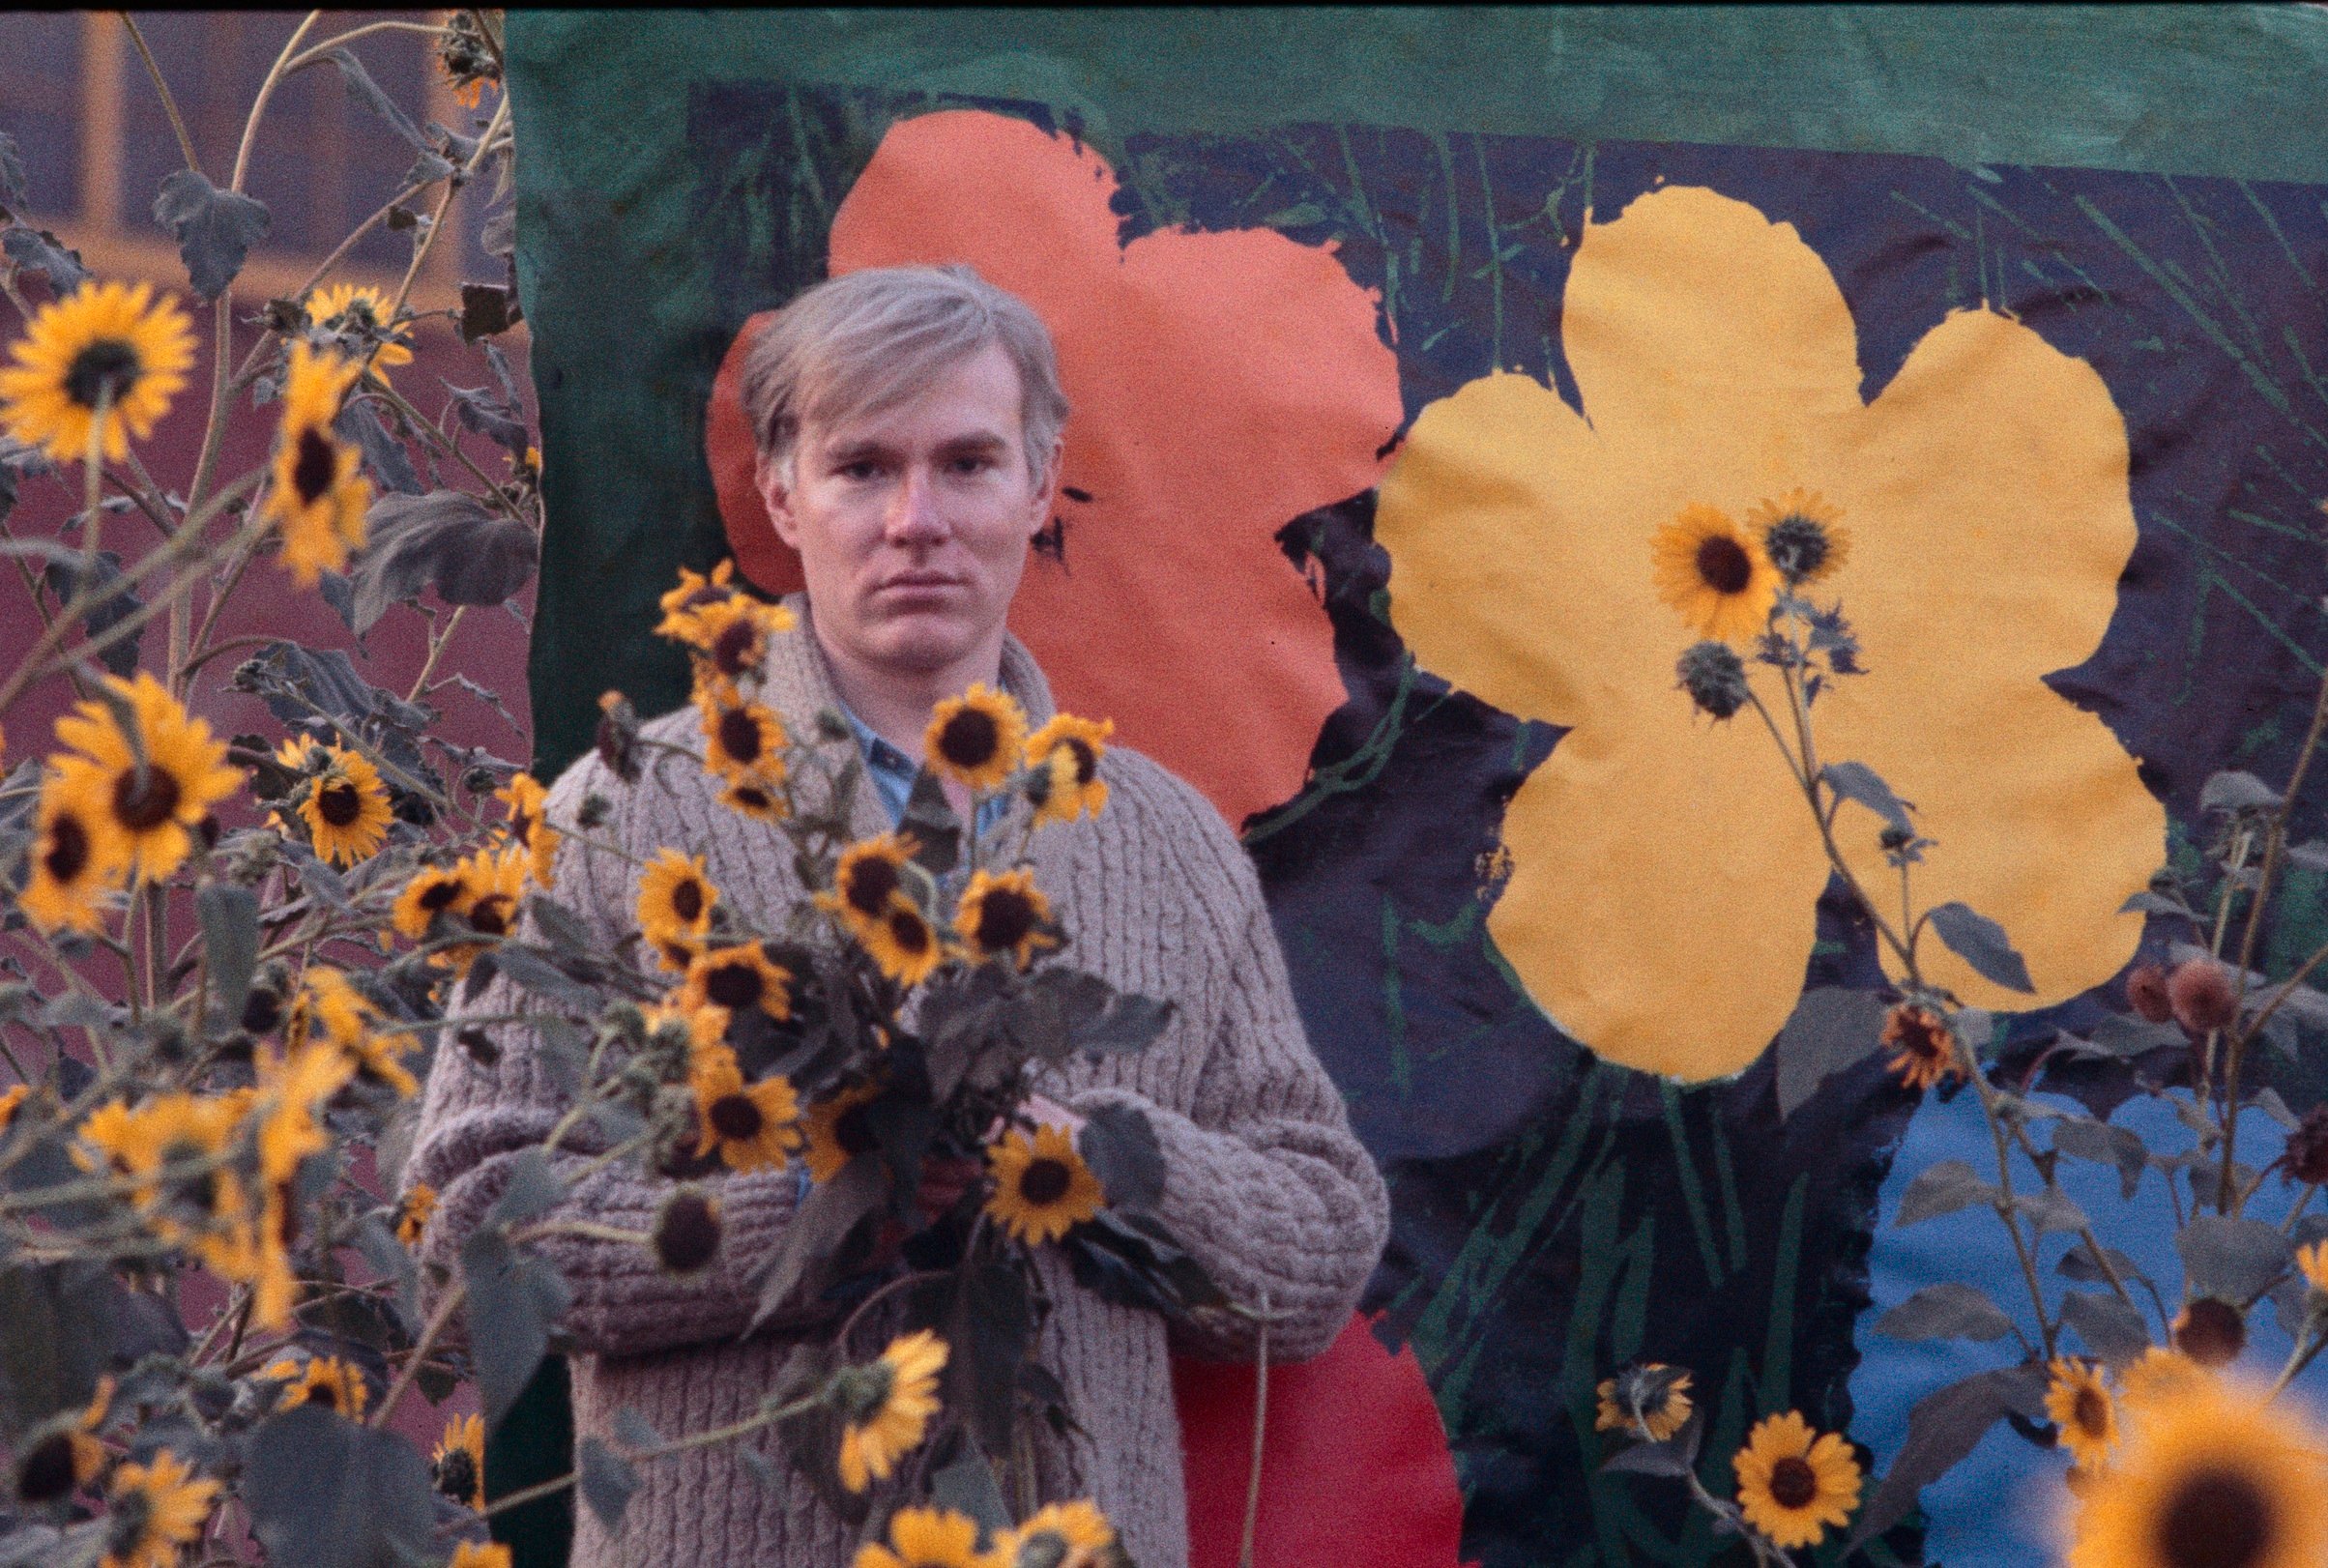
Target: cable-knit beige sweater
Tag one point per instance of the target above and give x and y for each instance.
(1267, 1186)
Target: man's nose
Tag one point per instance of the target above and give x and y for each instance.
(915, 516)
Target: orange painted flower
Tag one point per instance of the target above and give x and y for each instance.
(1223, 384)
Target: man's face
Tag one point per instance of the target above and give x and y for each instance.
(913, 524)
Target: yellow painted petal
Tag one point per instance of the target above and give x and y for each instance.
(1993, 523)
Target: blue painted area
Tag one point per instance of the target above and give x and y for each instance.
(1996, 1509)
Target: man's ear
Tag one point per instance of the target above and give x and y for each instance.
(768, 479)
(1046, 500)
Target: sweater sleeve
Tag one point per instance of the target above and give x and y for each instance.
(1265, 1184)
(483, 1107)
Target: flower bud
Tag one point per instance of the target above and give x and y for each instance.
(2199, 991)
(2211, 1331)
(2147, 992)
(1714, 676)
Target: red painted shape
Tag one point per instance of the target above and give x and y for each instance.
(1223, 384)
(1356, 1470)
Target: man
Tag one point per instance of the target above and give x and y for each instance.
(909, 424)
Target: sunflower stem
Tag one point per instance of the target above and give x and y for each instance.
(258, 104)
(161, 90)
(436, 651)
(315, 53)
(1261, 1426)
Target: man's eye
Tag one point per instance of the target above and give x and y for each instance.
(972, 465)
(860, 470)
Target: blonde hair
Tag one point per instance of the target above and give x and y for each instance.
(868, 341)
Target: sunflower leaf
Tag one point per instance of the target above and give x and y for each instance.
(36, 250)
(607, 1482)
(446, 541)
(2150, 903)
(937, 831)
(2111, 1328)
(2234, 1258)
(361, 89)
(66, 579)
(229, 917)
(1119, 1145)
(1981, 942)
(1677, 1455)
(1857, 781)
(817, 1231)
(1944, 1189)
(2234, 791)
(1949, 1310)
(533, 1189)
(215, 229)
(12, 195)
(1944, 1427)
(2104, 1144)
(514, 1298)
(991, 1320)
(487, 308)
(1832, 1028)
(55, 1345)
(384, 453)
(494, 417)
(966, 1484)
(327, 1493)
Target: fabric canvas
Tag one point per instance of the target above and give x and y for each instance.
(1392, 335)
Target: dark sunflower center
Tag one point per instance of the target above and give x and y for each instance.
(262, 1010)
(1087, 761)
(2211, 1332)
(312, 466)
(1793, 1483)
(67, 854)
(969, 738)
(106, 368)
(456, 1475)
(740, 735)
(1724, 566)
(2215, 1518)
(2091, 1412)
(868, 885)
(339, 804)
(286, 1216)
(145, 797)
(46, 1473)
(686, 900)
(752, 797)
(322, 1392)
(1046, 1181)
(737, 648)
(1004, 918)
(909, 931)
(853, 1130)
(734, 986)
(491, 916)
(439, 895)
(734, 1118)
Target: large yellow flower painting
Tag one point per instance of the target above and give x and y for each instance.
(1664, 869)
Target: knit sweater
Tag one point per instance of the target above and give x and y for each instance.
(1266, 1186)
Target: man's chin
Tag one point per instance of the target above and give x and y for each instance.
(924, 642)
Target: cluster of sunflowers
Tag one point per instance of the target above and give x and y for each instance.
(2179, 1456)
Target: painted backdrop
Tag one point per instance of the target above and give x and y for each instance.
(1392, 339)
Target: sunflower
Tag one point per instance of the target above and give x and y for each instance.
(317, 495)
(151, 788)
(1714, 575)
(458, 1464)
(413, 1209)
(175, 1148)
(738, 979)
(346, 808)
(11, 1100)
(2217, 1476)
(325, 1381)
(1924, 1050)
(108, 344)
(837, 1132)
(1041, 1187)
(731, 633)
(2083, 1408)
(1800, 537)
(675, 897)
(2310, 1262)
(928, 1538)
(695, 592)
(72, 871)
(1063, 760)
(2159, 1377)
(293, 1088)
(2210, 1330)
(902, 941)
(68, 1458)
(886, 1406)
(360, 310)
(1651, 1399)
(433, 890)
(1793, 1483)
(976, 738)
(526, 798)
(493, 883)
(152, 1511)
(1066, 1534)
(755, 800)
(752, 1126)
(329, 1009)
(868, 875)
(1005, 913)
(742, 740)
